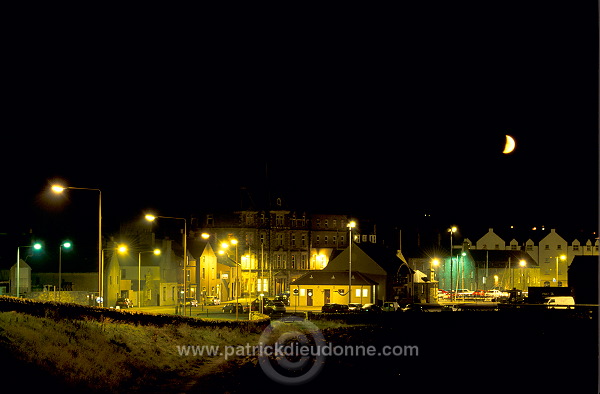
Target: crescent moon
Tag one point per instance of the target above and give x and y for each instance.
(510, 144)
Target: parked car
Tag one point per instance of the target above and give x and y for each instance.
(334, 308)
(413, 308)
(212, 300)
(278, 307)
(191, 301)
(390, 307)
(267, 306)
(230, 308)
(124, 303)
(495, 294)
(371, 308)
(354, 307)
(283, 298)
(461, 293)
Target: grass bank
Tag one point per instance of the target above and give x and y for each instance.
(108, 356)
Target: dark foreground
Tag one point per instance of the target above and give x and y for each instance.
(462, 352)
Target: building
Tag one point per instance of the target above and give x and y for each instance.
(143, 277)
(275, 247)
(413, 286)
(24, 278)
(376, 262)
(548, 249)
(317, 288)
(209, 274)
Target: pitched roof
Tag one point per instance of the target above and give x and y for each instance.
(334, 278)
(501, 258)
(384, 258)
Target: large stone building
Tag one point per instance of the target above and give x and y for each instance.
(275, 247)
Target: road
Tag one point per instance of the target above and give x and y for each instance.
(214, 311)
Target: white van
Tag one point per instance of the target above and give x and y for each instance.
(557, 302)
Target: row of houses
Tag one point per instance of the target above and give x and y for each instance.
(277, 251)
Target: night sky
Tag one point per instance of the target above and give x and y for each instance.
(391, 120)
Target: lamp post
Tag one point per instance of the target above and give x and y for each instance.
(451, 230)
(63, 245)
(234, 288)
(563, 258)
(151, 218)
(120, 249)
(59, 189)
(351, 225)
(434, 263)
(35, 246)
(139, 297)
(522, 264)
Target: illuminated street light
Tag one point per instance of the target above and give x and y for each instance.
(59, 189)
(35, 246)
(156, 252)
(152, 218)
(434, 263)
(451, 230)
(522, 263)
(119, 249)
(66, 245)
(235, 287)
(562, 257)
(350, 226)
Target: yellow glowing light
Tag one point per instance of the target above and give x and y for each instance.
(435, 262)
(233, 241)
(522, 263)
(205, 235)
(563, 257)
(156, 251)
(352, 224)
(57, 188)
(510, 145)
(224, 245)
(150, 218)
(122, 248)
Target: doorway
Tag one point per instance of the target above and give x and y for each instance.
(327, 296)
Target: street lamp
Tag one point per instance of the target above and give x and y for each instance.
(59, 189)
(563, 258)
(120, 249)
(152, 218)
(156, 253)
(351, 225)
(35, 246)
(66, 245)
(522, 264)
(434, 263)
(235, 287)
(451, 230)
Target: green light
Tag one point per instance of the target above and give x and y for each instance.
(37, 246)
(67, 244)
